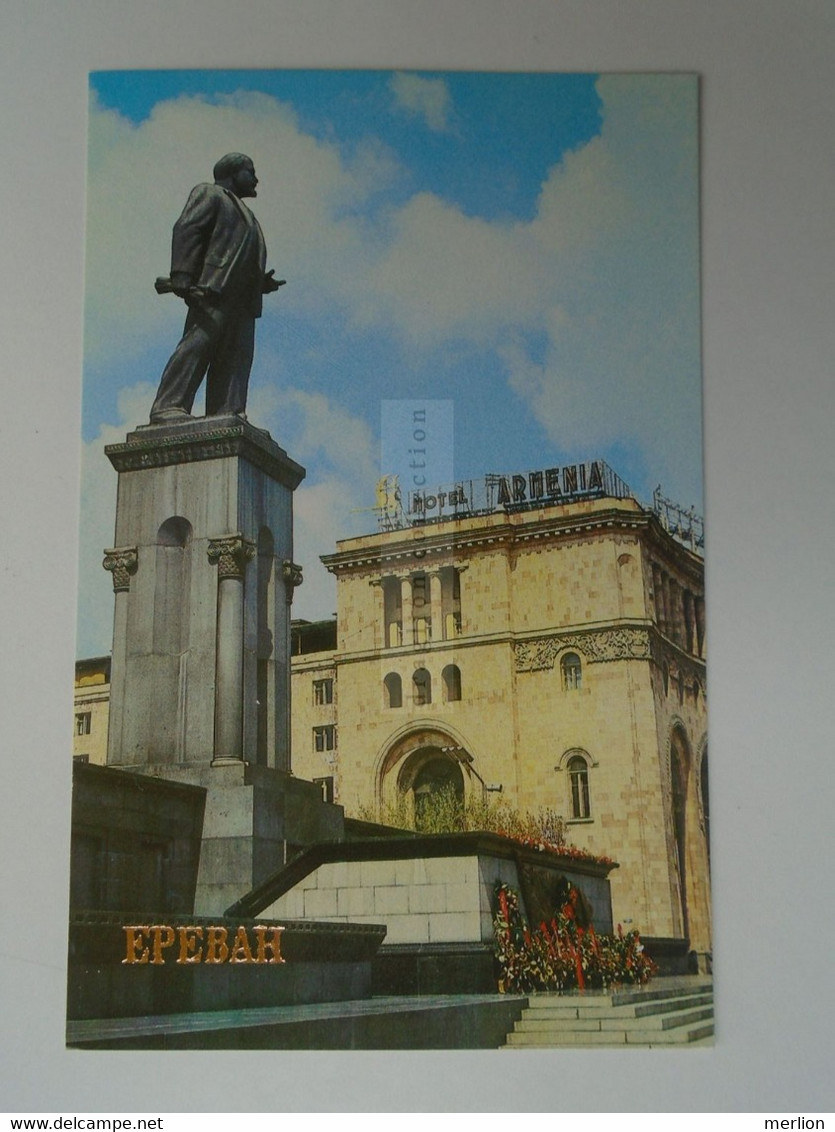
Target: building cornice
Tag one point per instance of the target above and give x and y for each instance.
(420, 547)
(667, 548)
(537, 651)
(314, 662)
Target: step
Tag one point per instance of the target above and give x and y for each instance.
(666, 1021)
(682, 1036)
(525, 1040)
(676, 1014)
(643, 1009)
(659, 1021)
(613, 1038)
(627, 995)
(574, 1008)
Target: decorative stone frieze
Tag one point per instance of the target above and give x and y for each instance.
(122, 563)
(230, 554)
(596, 645)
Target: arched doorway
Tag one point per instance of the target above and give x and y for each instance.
(689, 850)
(425, 767)
(434, 779)
(689, 818)
(704, 794)
(680, 773)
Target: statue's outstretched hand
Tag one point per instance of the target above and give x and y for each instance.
(271, 283)
(180, 283)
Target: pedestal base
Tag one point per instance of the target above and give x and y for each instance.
(256, 819)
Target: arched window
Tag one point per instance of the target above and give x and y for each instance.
(578, 784)
(421, 687)
(393, 689)
(451, 677)
(572, 671)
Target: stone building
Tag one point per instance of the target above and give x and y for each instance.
(92, 702)
(549, 651)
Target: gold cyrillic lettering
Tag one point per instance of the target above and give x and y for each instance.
(274, 944)
(169, 937)
(240, 952)
(216, 949)
(133, 941)
(188, 945)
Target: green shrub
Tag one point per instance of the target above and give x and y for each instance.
(443, 812)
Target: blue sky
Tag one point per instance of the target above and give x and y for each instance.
(523, 248)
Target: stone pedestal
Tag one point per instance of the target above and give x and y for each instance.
(256, 819)
(204, 576)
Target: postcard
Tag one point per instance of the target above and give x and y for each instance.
(390, 710)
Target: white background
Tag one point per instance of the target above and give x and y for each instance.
(769, 280)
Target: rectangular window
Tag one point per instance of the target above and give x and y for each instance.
(327, 787)
(322, 692)
(453, 626)
(324, 738)
(83, 722)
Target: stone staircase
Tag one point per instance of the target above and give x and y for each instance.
(670, 1012)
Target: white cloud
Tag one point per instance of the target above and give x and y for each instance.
(602, 281)
(329, 435)
(605, 274)
(621, 362)
(444, 275)
(428, 98)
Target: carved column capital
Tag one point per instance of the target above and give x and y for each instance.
(230, 554)
(292, 575)
(122, 562)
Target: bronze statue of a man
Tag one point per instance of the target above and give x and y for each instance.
(218, 258)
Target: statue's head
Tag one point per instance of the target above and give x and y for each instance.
(236, 172)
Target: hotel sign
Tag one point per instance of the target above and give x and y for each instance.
(564, 484)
